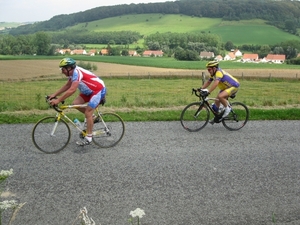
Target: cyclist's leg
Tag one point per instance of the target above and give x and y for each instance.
(223, 96)
(80, 99)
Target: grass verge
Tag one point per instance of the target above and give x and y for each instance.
(165, 115)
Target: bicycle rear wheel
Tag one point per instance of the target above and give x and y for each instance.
(50, 135)
(194, 116)
(109, 130)
(237, 118)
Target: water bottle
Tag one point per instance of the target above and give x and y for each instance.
(77, 122)
(214, 107)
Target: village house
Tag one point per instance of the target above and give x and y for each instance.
(275, 58)
(92, 52)
(218, 58)
(155, 53)
(104, 51)
(207, 55)
(132, 53)
(237, 52)
(64, 51)
(230, 56)
(250, 58)
(78, 52)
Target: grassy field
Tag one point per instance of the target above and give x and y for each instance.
(255, 32)
(150, 99)
(137, 94)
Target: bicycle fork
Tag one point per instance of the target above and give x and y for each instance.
(57, 118)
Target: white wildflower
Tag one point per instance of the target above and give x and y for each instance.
(8, 204)
(5, 173)
(85, 218)
(137, 213)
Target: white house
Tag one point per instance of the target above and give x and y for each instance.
(237, 53)
(230, 56)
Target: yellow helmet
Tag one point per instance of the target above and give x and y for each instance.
(212, 64)
(67, 62)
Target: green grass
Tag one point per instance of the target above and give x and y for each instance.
(255, 32)
(250, 32)
(151, 99)
(147, 24)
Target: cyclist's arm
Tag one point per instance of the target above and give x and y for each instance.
(206, 84)
(62, 89)
(70, 91)
(213, 86)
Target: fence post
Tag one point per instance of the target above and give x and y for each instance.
(270, 77)
(128, 75)
(203, 78)
(149, 75)
(242, 75)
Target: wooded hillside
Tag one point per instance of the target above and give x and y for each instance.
(282, 14)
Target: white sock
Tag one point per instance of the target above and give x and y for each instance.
(89, 137)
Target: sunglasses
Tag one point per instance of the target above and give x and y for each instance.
(209, 69)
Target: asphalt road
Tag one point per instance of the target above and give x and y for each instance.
(214, 176)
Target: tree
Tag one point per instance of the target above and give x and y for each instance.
(229, 45)
(42, 42)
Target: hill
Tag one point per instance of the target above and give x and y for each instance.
(256, 32)
(283, 14)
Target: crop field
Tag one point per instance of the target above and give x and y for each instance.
(29, 70)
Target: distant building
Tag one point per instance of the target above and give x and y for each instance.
(229, 56)
(250, 58)
(206, 55)
(155, 53)
(275, 58)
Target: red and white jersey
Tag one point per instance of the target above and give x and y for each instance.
(88, 82)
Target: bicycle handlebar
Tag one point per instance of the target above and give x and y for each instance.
(55, 107)
(201, 94)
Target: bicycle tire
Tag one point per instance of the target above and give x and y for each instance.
(116, 126)
(237, 118)
(193, 123)
(47, 143)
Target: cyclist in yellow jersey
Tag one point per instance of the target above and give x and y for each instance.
(227, 84)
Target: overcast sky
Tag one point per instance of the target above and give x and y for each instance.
(41, 10)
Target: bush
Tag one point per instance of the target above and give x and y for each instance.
(87, 66)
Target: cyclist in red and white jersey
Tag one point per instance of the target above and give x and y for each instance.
(92, 90)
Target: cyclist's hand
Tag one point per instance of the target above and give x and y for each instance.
(54, 101)
(204, 92)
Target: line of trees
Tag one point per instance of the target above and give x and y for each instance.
(183, 46)
(282, 14)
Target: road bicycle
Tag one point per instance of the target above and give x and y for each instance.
(195, 116)
(52, 134)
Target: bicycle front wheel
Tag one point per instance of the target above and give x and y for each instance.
(194, 116)
(237, 118)
(50, 135)
(109, 130)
